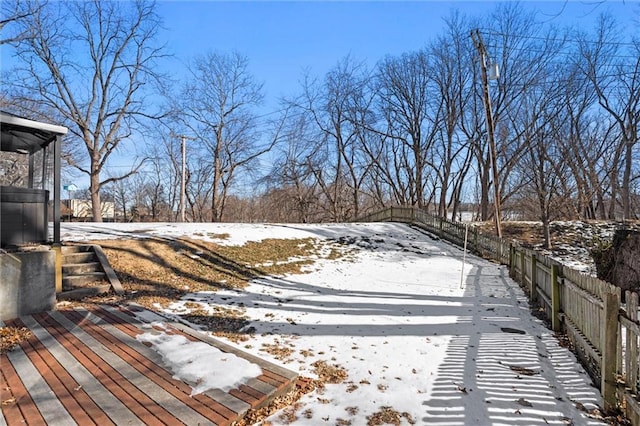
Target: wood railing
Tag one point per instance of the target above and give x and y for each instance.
(604, 332)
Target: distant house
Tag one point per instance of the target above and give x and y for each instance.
(81, 209)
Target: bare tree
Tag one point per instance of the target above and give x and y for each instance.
(90, 61)
(217, 105)
(614, 70)
(523, 49)
(543, 121)
(14, 11)
(119, 191)
(451, 153)
(589, 148)
(292, 190)
(409, 105)
(337, 105)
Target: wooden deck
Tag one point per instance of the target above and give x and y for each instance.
(86, 367)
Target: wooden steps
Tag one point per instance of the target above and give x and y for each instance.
(86, 272)
(86, 366)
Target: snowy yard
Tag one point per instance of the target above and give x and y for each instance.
(408, 344)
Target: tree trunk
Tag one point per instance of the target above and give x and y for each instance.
(626, 181)
(546, 231)
(96, 204)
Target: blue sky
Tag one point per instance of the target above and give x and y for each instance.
(281, 39)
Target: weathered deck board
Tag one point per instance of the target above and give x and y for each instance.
(85, 366)
(105, 400)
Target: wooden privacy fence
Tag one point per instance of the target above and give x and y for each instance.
(604, 332)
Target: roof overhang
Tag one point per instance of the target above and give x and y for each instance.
(26, 136)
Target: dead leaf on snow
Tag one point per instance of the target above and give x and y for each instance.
(523, 370)
(278, 350)
(333, 374)
(387, 415)
(303, 385)
(524, 402)
(512, 330)
(461, 388)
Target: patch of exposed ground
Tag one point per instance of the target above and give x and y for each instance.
(571, 241)
(572, 233)
(156, 272)
(279, 350)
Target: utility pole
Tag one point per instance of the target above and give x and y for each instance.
(183, 181)
(482, 50)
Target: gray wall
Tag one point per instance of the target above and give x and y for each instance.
(27, 283)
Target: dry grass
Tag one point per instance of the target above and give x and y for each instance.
(194, 265)
(528, 234)
(156, 272)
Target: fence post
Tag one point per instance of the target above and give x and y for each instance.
(523, 269)
(555, 298)
(475, 240)
(609, 348)
(533, 289)
(512, 261)
(632, 342)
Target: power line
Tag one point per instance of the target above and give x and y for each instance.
(564, 39)
(565, 52)
(561, 52)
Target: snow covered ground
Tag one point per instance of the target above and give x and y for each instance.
(415, 345)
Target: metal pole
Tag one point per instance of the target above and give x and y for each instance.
(464, 253)
(57, 165)
(183, 187)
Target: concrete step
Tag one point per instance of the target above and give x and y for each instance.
(89, 279)
(86, 272)
(81, 268)
(79, 293)
(80, 257)
(76, 249)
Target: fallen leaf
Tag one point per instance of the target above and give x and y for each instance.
(523, 370)
(524, 402)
